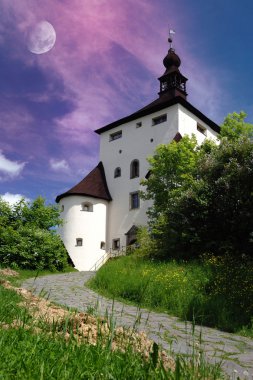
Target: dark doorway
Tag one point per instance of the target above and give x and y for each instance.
(131, 235)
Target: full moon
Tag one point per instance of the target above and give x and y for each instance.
(41, 38)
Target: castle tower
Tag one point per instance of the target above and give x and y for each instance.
(84, 210)
(105, 209)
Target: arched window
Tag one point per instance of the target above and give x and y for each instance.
(134, 169)
(86, 206)
(117, 172)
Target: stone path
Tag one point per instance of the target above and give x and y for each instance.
(69, 290)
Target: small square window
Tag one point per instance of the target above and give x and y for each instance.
(115, 136)
(159, 119)
(62, 208)
(102, 245)
(88, 207)
(201, 129)
(139, 124)
(134, 201)
(116, 244)
(79, 242)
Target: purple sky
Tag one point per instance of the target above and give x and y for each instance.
(104, 65)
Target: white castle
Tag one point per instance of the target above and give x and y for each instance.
(103, 211)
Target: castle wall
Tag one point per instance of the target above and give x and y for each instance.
(83, 232)
(139, 142)
(188, 125)
(135, 143)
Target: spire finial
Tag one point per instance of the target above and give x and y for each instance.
(172, 82)
(170, 40)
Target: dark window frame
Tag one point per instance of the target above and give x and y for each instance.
(201, 129)
(87, 207)
(117, 172)
(134, 200)
(134, 169)
(115, 136)
(79, 242)
(116, 244)
(159, 119)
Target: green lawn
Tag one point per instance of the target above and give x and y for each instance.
(32, 348)
(213, 292)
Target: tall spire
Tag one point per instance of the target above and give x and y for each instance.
(172, 82)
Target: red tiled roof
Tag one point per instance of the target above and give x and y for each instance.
(93, 185)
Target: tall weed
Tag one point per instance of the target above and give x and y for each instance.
(218, 292)
(32, 350)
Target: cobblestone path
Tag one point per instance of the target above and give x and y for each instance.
(68, 289)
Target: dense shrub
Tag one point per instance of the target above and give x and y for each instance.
(229, 302)
(27, 237)
(203, 195)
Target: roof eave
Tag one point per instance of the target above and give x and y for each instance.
(65, 195)
(157, 107)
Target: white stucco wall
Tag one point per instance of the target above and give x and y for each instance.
(89, 226)
(187, 125)
(136, 143)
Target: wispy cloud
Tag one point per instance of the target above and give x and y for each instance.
(9, 169)
(104, 65)
(59, 165)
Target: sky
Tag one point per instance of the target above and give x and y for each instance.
(103, 66)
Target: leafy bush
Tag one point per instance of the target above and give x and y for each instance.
(27, 237)
(203, 196)
(230, 292)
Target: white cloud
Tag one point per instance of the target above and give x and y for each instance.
(9, 169)
(13, 198)
(59, 165)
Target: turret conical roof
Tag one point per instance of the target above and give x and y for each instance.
(93, 185)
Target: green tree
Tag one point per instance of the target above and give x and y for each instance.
(173, 168)
(216, 213)
(27, 236)
(235, 126)
(208, 206)
(38, 214)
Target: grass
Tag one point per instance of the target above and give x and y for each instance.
(33, 347)
(216, 293)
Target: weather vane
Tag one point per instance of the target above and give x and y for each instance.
(170, 40)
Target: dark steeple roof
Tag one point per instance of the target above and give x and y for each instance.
(172, 82)
(172, 91)
(93, 185)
